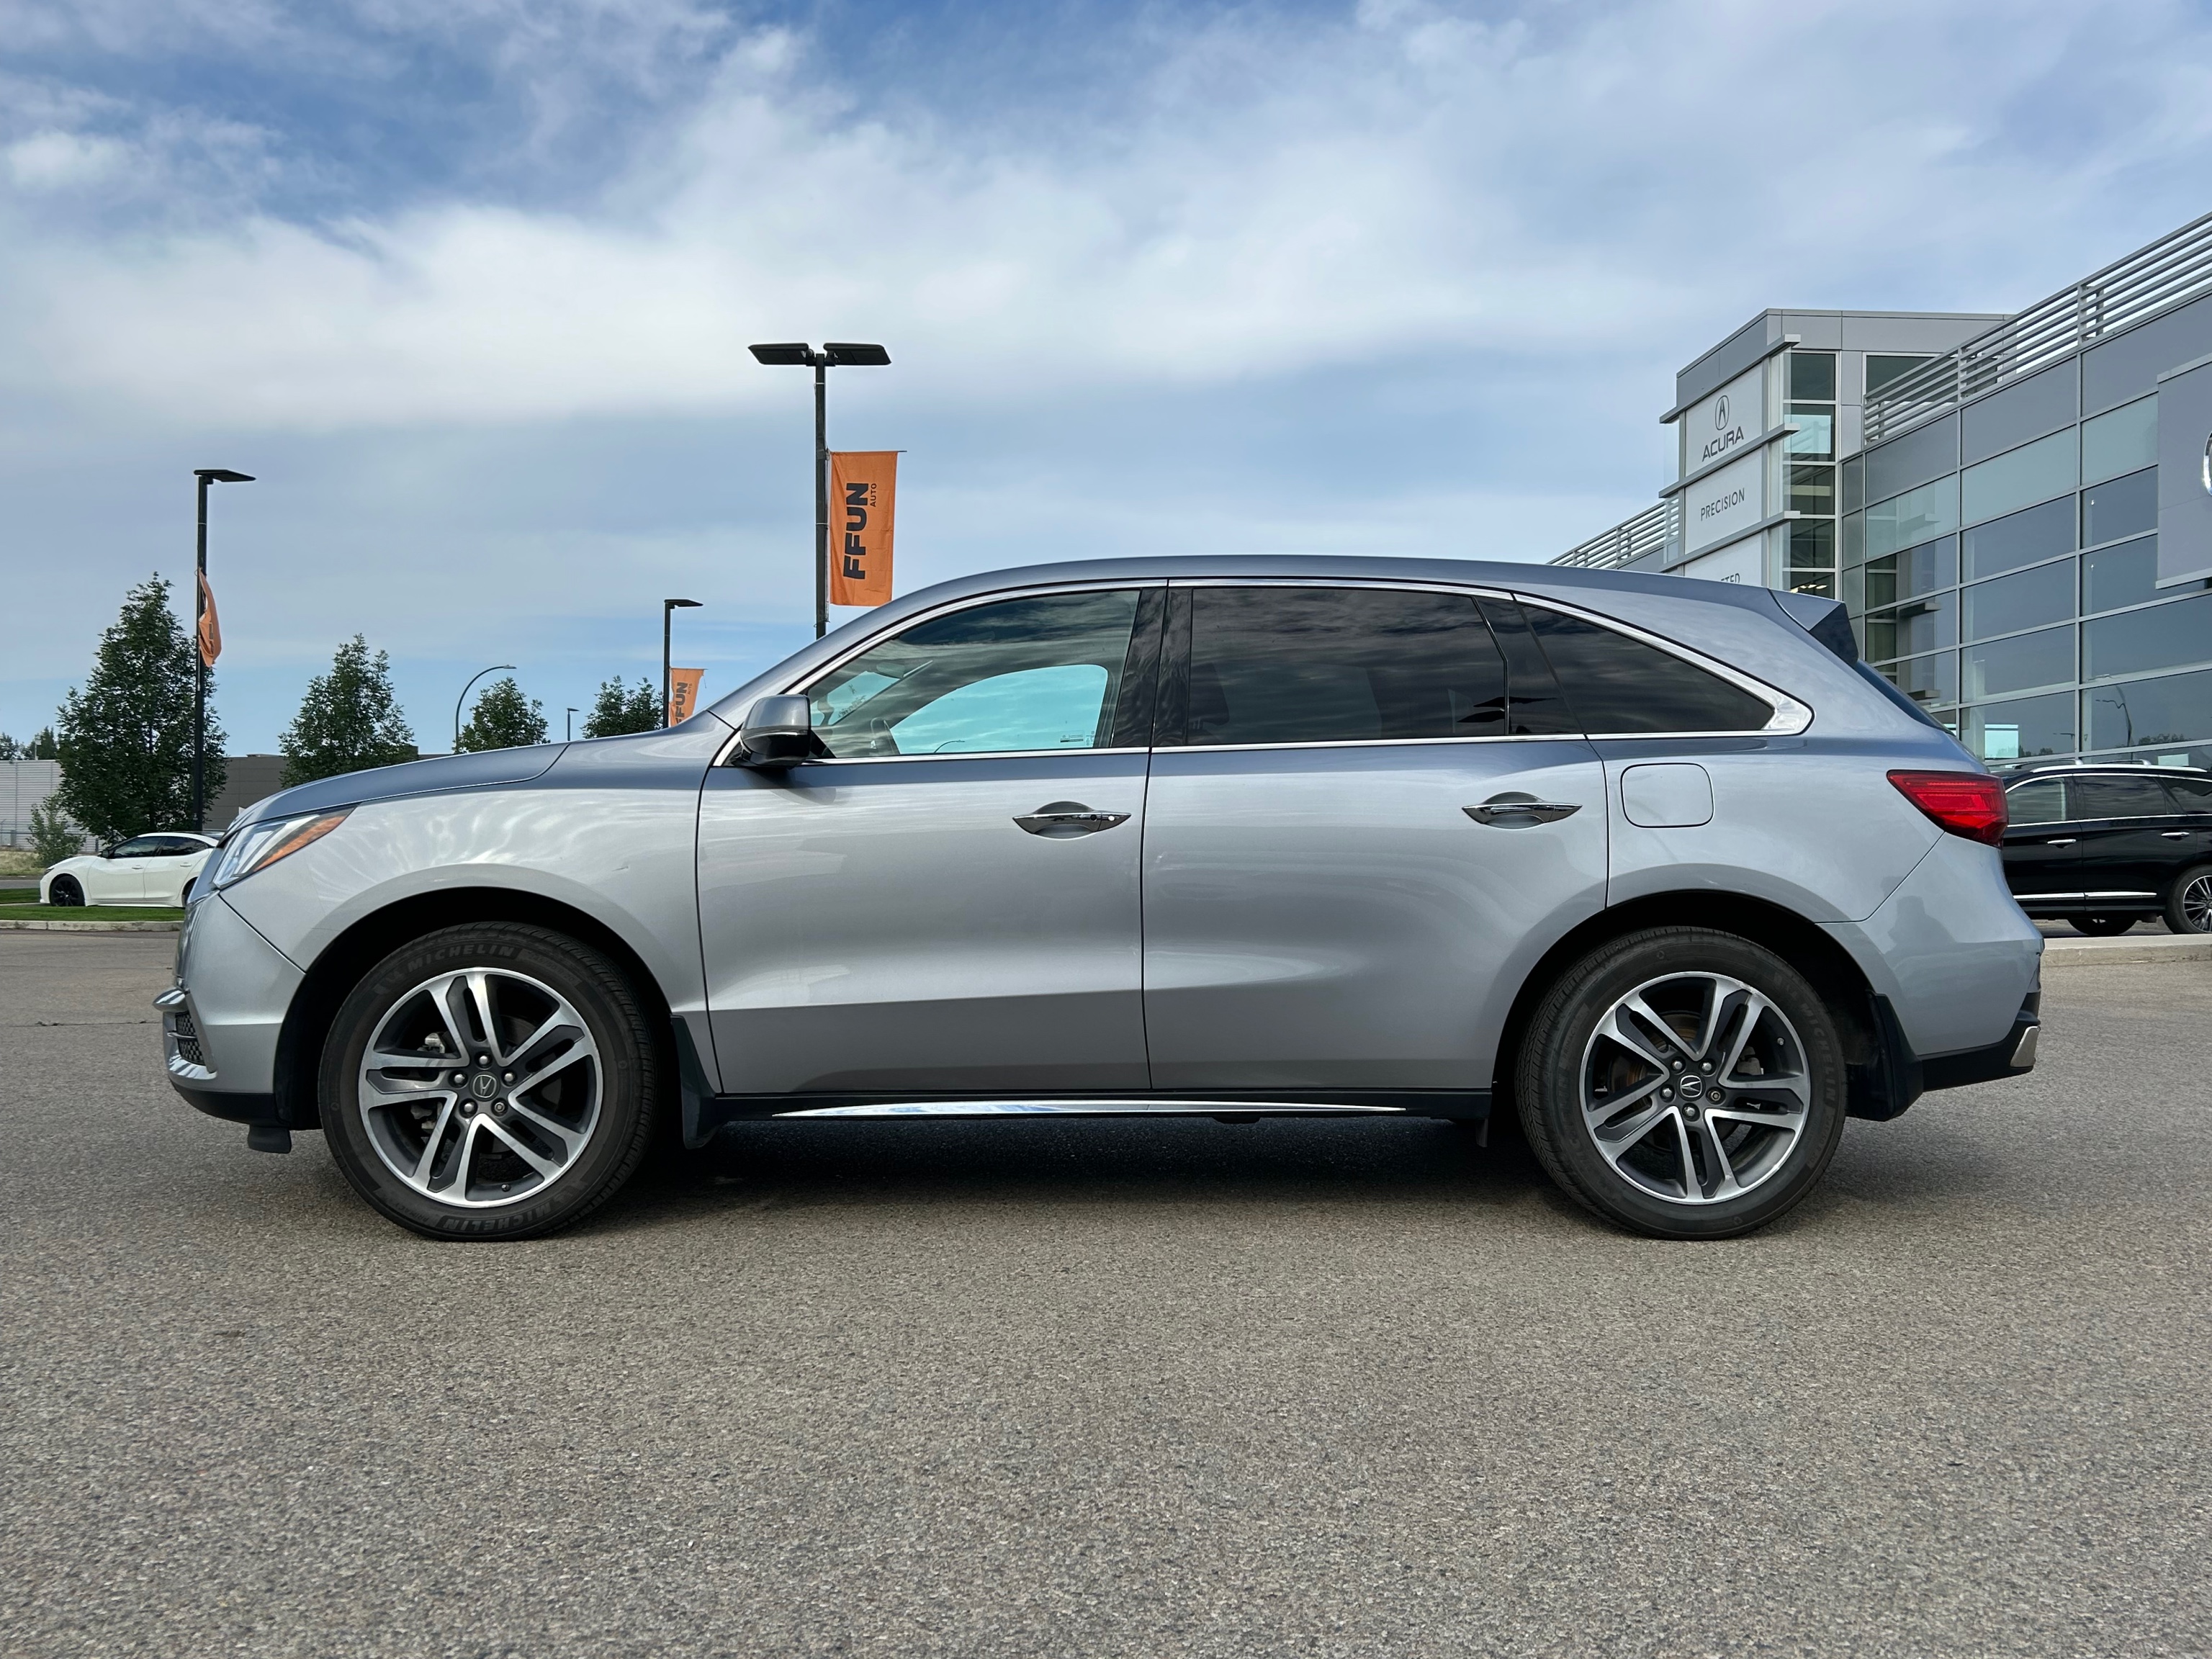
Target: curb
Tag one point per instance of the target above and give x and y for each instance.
(14, 924)
(2097, 953)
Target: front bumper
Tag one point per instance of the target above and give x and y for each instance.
(220, 1020)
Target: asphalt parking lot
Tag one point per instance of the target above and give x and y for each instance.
(1100, 1389)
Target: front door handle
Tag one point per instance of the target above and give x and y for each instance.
(1062, 818)
(2174, 835)
(1511, 809)
(2063, 840)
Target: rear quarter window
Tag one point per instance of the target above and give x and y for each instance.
(1618, 684)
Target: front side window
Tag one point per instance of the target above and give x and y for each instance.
(1045, 673)
(1340, 665)
(140, 846)
(1617, 684)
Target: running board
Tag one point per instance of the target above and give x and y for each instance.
(1093, 1109)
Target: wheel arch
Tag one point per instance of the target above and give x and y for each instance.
(1880, 1086)
(350, 955)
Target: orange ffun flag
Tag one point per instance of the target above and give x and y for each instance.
(684, 693)
(210, 625)
(863, 489)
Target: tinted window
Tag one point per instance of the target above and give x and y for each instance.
(1916, 570)
(2174, 709)
(2125, 507)
(2160, 636)
(1924, 625)
(141, 846)
(2028, 599)
(1340, 665)
(1538, 709)
(1035, 673)
(2042, 802)
(1614, 683)
(2190, 794)
(2041, 532)
(2126, 574)
(2119, 797)
(174, 847)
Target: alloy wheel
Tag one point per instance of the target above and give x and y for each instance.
(481, 1088)
(2195, 903)
(1695, 1088)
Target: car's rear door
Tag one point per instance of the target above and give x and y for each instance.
(1358, 838)
(120, 878)
(946, 902)
(2041, 844)
(2124, 855)
(2189, 838)
(168, 868)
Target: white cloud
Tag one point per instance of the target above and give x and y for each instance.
(1405, 182)
(61, 160)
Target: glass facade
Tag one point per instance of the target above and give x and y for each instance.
(2010, 592)
(1810, 461)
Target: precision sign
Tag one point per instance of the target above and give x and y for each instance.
(864, 491)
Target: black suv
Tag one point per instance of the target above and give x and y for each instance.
(2104, 846)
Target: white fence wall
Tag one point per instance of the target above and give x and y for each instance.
(23, 785)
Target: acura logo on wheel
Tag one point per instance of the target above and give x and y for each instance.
(483, 1086)
(1720, 415)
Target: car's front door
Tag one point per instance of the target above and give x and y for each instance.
(945, 901)
(120, 878)
(2042, 846)
(168, 868)
(2123, 855)
(1356, 835)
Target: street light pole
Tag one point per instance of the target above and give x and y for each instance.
(568, 728)
(207, 476)
(669, 608)
(834, 354)
(463, 697)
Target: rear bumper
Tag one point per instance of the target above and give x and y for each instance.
(2014, 1056)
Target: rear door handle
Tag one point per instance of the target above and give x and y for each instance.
(2174, 835)
(1061, 818)
(1521, 810)
(2063, 840)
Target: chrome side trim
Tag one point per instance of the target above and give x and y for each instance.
(1102, 1108)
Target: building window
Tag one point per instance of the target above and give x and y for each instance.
(1908, 630)
(1896, 577)
(2120, 441)
(1883, 368)
(1918, 515)
(2124, 506)
(1931, 681)
(2156, 636)
(1812, 557)
(2020, 478)
(2026, 662)
(1813, 489)
(2176, 708)
(2022, 729)
(2041, 532)
(2010, 605)
(1813, 405)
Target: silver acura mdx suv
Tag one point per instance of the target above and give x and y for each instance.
(1654, 863)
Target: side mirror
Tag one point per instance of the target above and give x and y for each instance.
(778, 732)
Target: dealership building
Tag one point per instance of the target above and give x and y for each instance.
(2017, 510)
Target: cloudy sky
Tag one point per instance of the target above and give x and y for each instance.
(468, 283)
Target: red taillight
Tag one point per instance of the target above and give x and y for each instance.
(1969, 803)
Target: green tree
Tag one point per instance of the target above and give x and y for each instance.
(53, 837)
(44, 746)
(349, 719)
(619, 708)
(125, 739)
(10, 749)
(503, 718)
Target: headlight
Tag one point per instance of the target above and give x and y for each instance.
(257, 846)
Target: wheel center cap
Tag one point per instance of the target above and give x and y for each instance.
(1692, 1087)
(483, 1086)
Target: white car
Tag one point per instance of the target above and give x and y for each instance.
(144, 870)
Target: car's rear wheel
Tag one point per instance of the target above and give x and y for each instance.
(66, 890)
(492, 1081)
(2101, 926)
(2189, 901)
(1684, 1082)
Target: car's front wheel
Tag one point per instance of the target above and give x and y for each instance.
(2189, 901)
(1684, 1082)
(66, 890)
(493, 1081)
